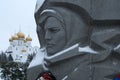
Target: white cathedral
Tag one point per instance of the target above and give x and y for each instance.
(20, 47)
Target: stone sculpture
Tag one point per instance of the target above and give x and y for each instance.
(81, 39)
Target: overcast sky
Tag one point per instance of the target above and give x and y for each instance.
(15, 15)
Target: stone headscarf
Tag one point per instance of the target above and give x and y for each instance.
(75, 23)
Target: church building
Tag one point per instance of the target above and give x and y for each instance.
(20, 47)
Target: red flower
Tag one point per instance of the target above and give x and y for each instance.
(46, 76)
(118, 76)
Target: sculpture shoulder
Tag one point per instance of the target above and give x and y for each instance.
(106, 38)
(79, 72)
(101, 34)
(33, 72)
(84, 73)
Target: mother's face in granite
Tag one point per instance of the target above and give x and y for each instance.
(58, 30)
(54, 36)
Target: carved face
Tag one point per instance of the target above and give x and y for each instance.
(58, 30)
(54, 35)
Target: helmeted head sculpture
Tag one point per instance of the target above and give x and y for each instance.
(60, 27)
(93, 24)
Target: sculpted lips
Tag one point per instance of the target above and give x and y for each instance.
(48, 45)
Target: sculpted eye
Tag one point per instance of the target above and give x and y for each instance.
(54, 29)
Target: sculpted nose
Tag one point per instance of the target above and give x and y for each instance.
(47, 35)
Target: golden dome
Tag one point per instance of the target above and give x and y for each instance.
(25, 41)
(23, 50)
(15, 37)
(20, 35)
(10, 39)
(28, 38)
